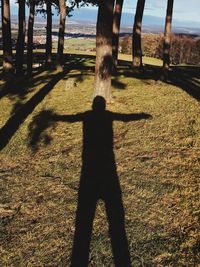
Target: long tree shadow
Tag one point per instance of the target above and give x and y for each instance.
(20, 114)
(20, 90)
(78, 66)
(21, 86)
(186, 78)
(99, 179)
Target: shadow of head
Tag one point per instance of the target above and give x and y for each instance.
(99, 104)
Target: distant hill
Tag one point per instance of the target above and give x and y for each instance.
(86, 14)
(150, 23)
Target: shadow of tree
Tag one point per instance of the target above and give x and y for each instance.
(24, 110)
(186, 78)
(22, 86)
(20, 89)
(118, 84)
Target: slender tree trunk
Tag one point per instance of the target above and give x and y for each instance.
(6, 34)
(30, 38)
(61, 36)
(136, 41)
(21, 37)
(181, 53)
(103, 68)
(167, 35)
(49, 32)
(116, 28)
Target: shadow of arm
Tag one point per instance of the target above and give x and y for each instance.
(68, 118)
(131, 117)
(44, 120)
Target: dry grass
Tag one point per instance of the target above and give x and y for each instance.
(157, 162)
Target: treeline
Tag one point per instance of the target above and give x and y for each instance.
(15, 64)
(185, 49)
(107, 37)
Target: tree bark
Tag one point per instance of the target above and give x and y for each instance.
(116, 28)
(49, 32)
(167, 35)
(136, 38)
(103, 68)
(6, 34)
(61, 36)
(30, 38)
(21, 37)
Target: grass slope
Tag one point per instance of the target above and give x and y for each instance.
(157, 163)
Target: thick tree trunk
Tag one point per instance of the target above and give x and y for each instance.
(116, 28)
(30, 38)
(61, 36)
(49, 32)
(136, 41)
(21, 37)
(167, 35)
(6, 34)
(103, 68)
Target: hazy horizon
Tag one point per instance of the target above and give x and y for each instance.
(150, 23)
(185, 12)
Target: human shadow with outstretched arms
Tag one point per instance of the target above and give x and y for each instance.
(99, 180)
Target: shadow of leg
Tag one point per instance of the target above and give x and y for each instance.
(115, 215)
(83, 228)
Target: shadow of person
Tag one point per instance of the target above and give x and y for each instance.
(99, 180)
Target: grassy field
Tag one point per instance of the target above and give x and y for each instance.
(157, 163)
(78, 44)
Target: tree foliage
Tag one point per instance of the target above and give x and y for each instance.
(185, 49)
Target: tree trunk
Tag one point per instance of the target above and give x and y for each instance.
(49, 32)
(167, 35)
(61, 36)
(30, 38)
(6, 34)
(181, 53)
(116, 28)
(21, 37)
(103, 68)
(136, 41)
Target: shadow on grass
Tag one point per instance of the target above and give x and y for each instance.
(24, 110)
(21, 86)
(99, 178)
(20, 89)
(186, 78)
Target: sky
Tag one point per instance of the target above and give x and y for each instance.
(184, 10)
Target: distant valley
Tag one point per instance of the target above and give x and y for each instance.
(85, 18)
